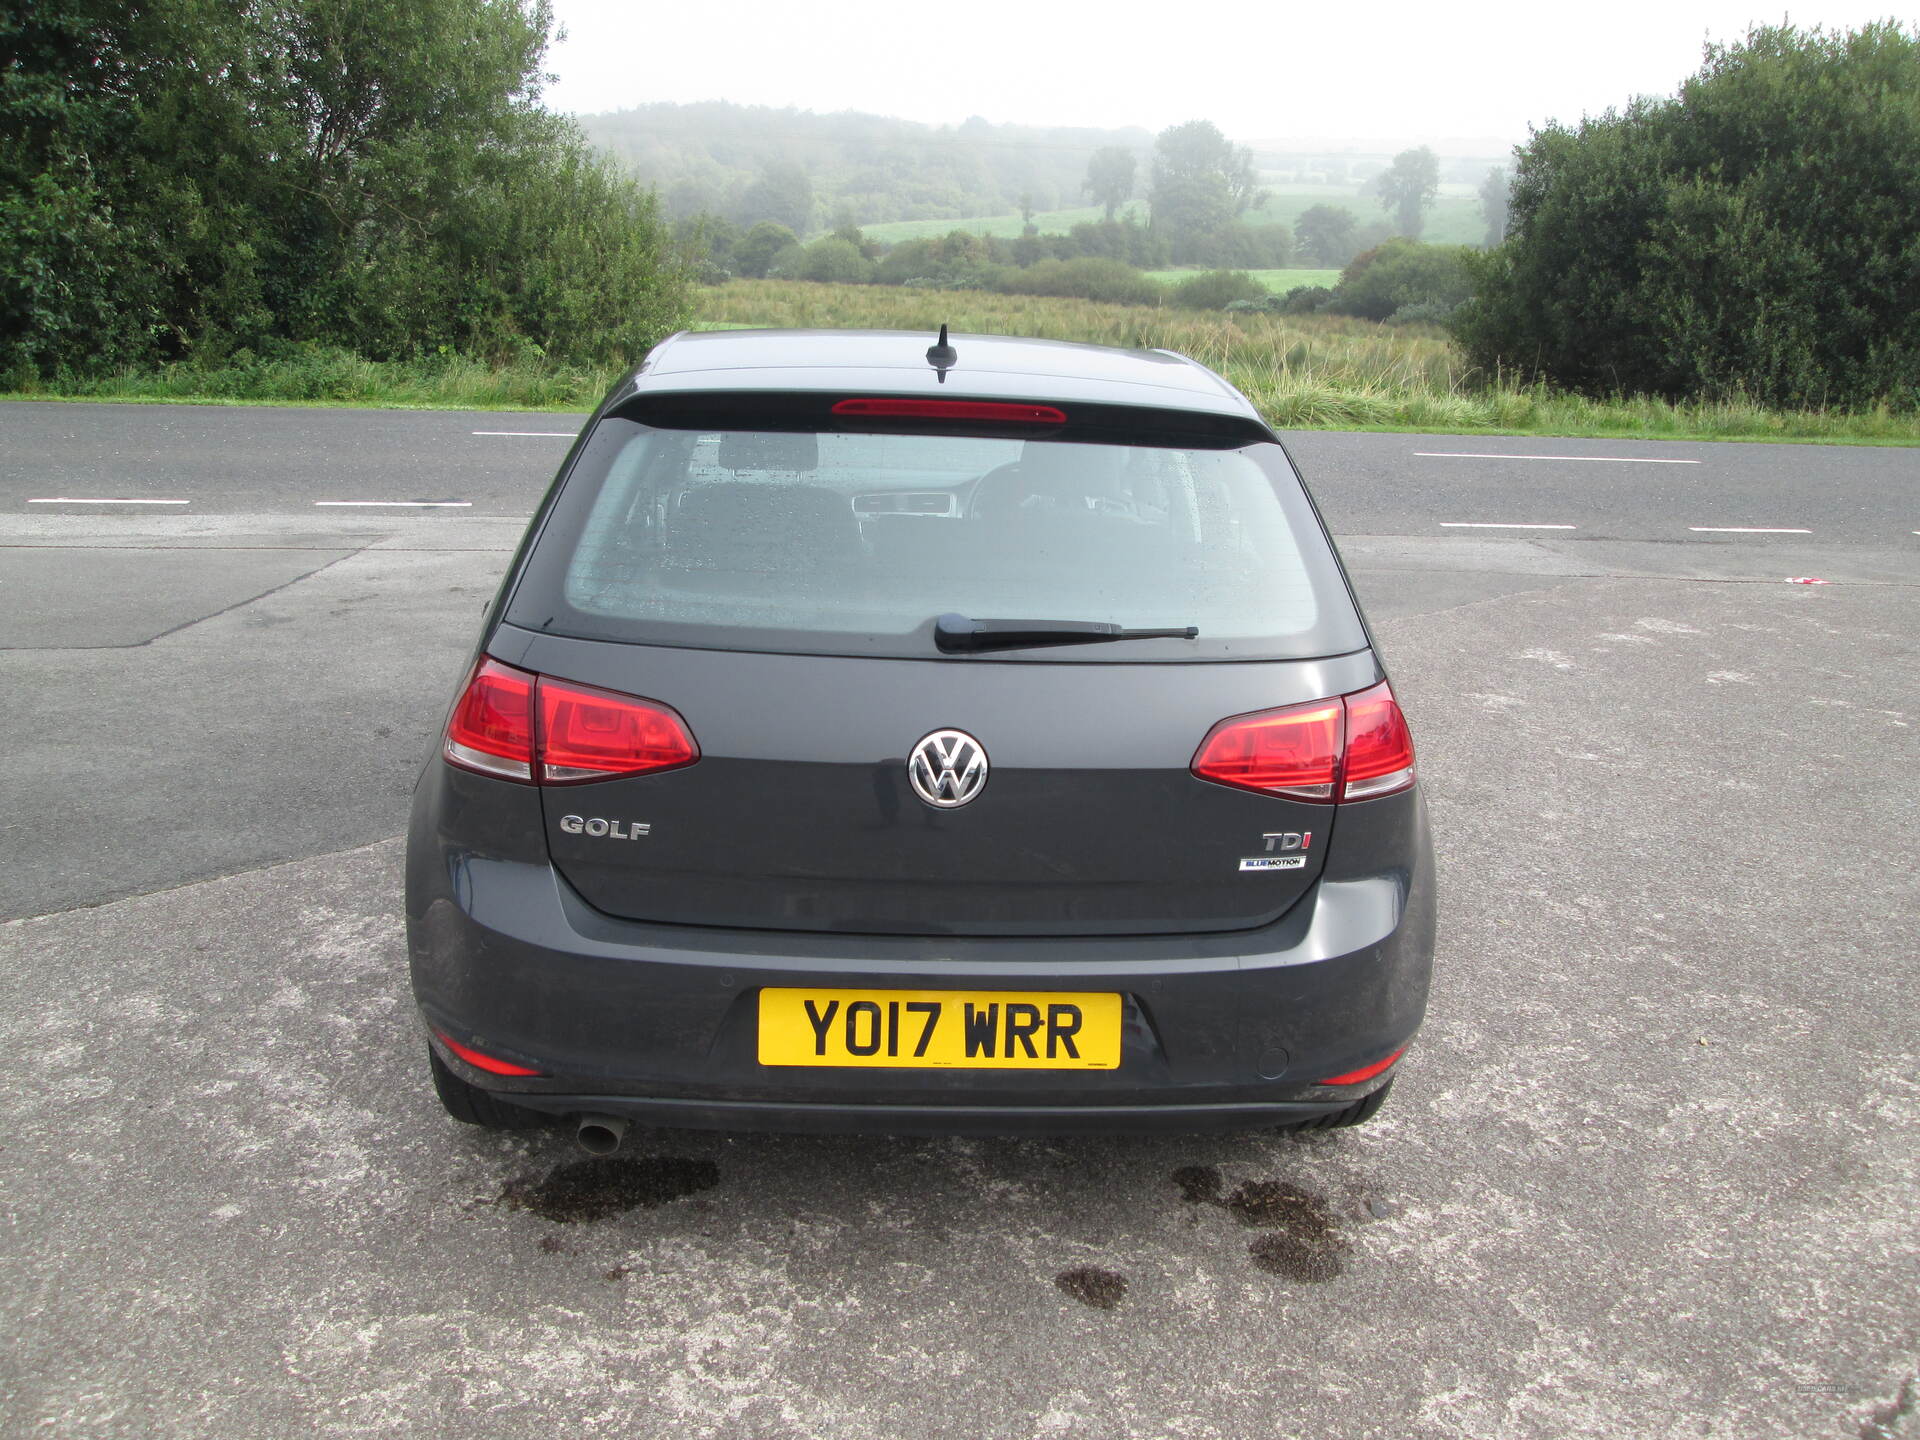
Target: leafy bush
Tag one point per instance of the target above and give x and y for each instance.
(1758, 235)
(1305, 300)
(1423, 312)
(1240, 246)
(833, 261)
(1089, 278)
(1217, 289)
(1383, 280)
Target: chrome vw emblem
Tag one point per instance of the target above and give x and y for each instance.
(947, 769)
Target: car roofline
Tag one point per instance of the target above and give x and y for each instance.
(649, 376)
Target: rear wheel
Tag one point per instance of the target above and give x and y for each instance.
(1358, 1113)
(471, 1105)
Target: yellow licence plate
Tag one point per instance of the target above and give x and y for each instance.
(941, 1029)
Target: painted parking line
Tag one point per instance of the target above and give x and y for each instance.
(1499, 525)
(76, 500)
(543, 434)
(1746, 530)
(399, 504)
(1591, 459)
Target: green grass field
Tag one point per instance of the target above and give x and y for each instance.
(1278, 281)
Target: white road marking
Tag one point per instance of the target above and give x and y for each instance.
(70, 500)
(1595, 459)
(545, 434)
(1498, 525)
(406, 504)
(1746, 530)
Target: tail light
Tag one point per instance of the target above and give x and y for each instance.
(595, 734)
(491, 729)
(1379, 746)
(518, 726)
(1353, 747)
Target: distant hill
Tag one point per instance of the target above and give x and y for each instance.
(752, 162)
(811, 171)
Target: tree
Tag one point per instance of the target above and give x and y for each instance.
(782, 194)
(1493, 203)
(1110, 177)
(1407, 188)
(1326, 233)
(753, 253)
(1756, 235)
(1200, 182)
(182, 177)
(835, 260)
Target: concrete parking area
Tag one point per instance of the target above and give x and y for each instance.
(1653, 1168)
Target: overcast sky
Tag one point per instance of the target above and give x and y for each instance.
(1368, 68)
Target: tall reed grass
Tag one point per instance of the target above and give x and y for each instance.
(1304, 372)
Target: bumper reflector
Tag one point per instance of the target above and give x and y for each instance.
(479, 1061)
(1355, 1077)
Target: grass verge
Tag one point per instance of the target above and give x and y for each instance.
(1304, 372)
(323, 375)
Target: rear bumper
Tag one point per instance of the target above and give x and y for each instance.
(658, 1022)
(888, 1119)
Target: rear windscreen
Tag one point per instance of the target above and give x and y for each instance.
(852, 544)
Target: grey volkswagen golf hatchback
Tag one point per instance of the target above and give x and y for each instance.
(870, 736)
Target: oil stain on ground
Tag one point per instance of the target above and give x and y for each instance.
(1302, 1239)
(589, 1190)
(1092, 1286)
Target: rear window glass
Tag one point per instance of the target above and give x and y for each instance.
(848, 543)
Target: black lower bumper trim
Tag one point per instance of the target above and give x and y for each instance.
(819, 1119)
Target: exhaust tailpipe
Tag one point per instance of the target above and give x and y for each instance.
(600, 1134)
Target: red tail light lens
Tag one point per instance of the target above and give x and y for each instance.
(492, 725)
(590, 734)
(583, 734)
(1379, 747)
(1293, 752)
(1354, 747)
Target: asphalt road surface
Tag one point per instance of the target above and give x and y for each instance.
(1653, 1168)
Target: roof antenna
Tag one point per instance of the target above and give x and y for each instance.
(942, 356)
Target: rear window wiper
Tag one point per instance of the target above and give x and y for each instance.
(957, 632)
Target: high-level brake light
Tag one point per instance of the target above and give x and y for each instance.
(1352, 747)
(516, 725)
(999, 412)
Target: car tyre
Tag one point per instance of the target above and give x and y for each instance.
(1358, 1113)
(471, 1105)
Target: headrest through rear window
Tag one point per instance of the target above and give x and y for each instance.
(769, 450)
